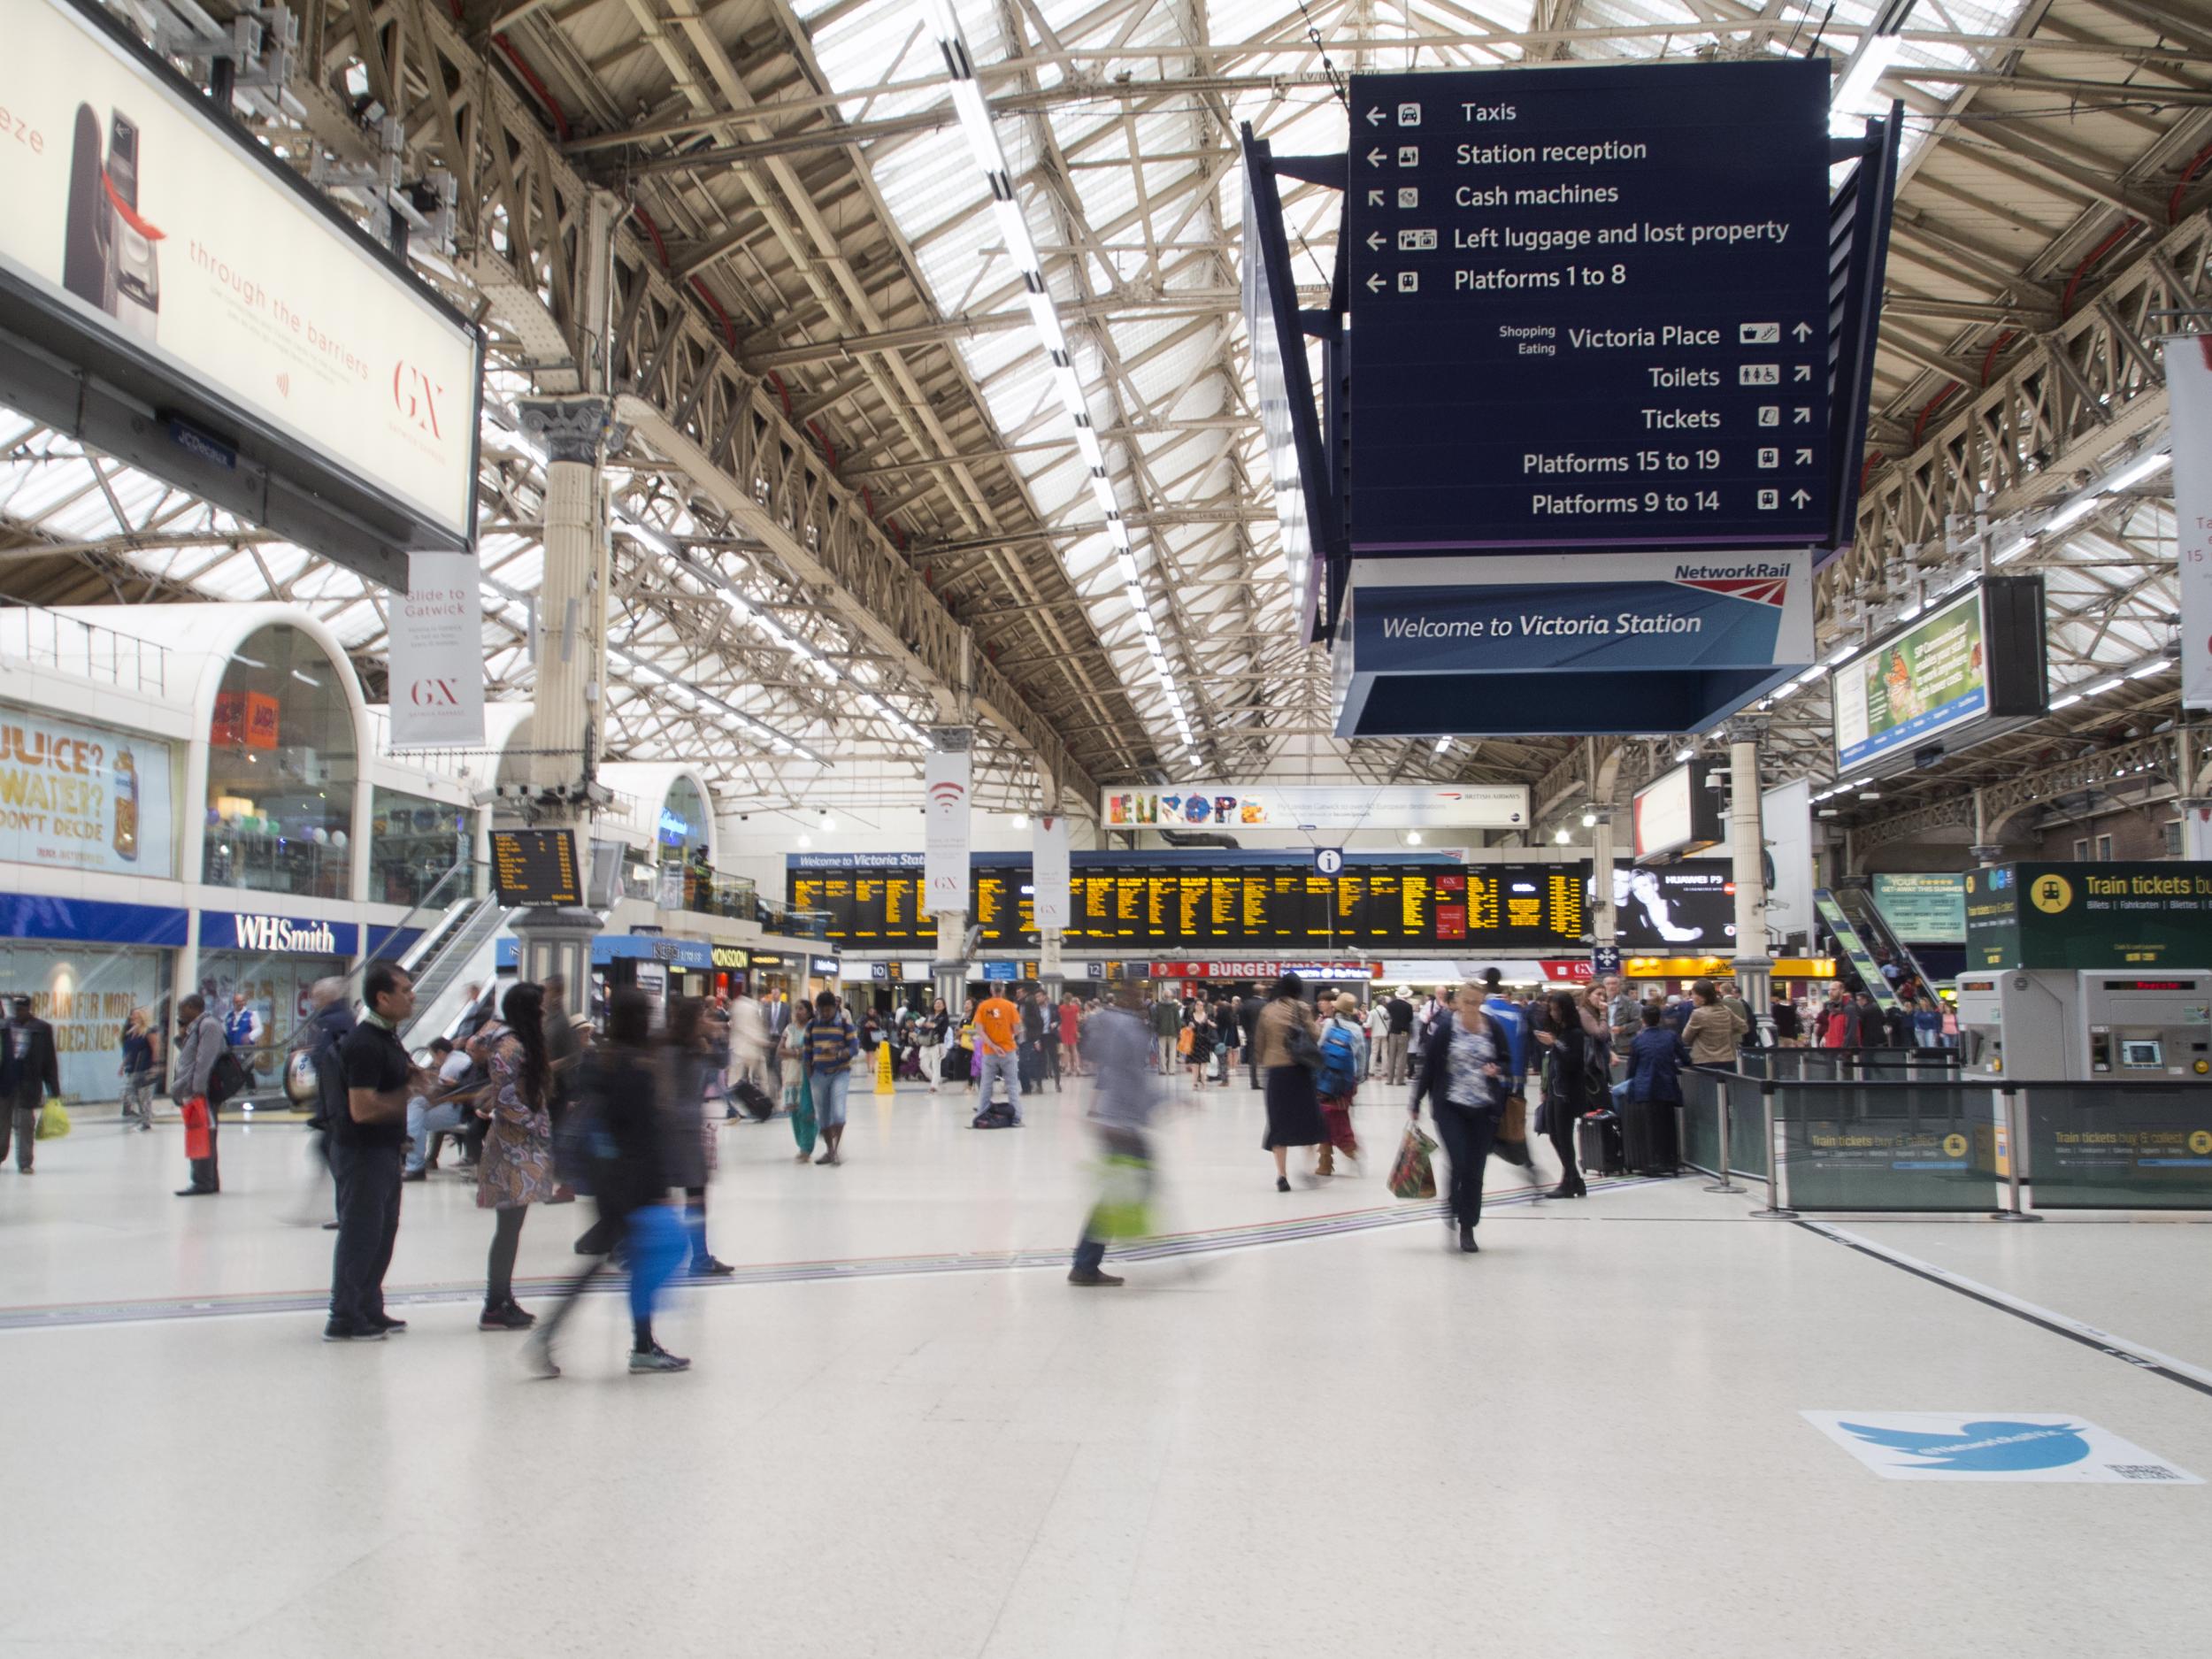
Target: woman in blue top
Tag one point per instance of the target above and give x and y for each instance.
(830, 1047)
(1508, 1016)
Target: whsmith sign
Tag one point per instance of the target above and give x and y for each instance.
(277, 935)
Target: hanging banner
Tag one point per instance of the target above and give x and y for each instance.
(1785, 817)
(1049, 874)
(1200, 803)
(2189, 397)
(437, 655)
(945, 777)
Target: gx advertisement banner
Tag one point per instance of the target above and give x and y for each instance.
(437, 655)
(945, 774)
(155, 225)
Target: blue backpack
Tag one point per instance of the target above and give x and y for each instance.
(1340, 1060)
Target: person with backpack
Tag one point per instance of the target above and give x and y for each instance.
(1343, 1063)
(830, 1047)
(1573, 1055)
(1462, 1071)
(614, 1121)
(201, 1083)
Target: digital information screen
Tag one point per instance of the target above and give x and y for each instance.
(1170, 908)
(535, 867)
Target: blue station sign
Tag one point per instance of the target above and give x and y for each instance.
(1589, 307)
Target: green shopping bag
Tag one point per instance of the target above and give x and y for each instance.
(801, 1100)
(1125, 1198)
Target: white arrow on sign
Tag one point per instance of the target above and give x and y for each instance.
(1374, 157)
(1373, 283)
(1374, 198)
(1804, 457)
(1803, 331)
(1798, 497)
(1804, 371)
(1803, 416)
(1374, 240)
(1374, 117)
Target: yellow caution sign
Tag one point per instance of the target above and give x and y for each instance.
(883, 1068)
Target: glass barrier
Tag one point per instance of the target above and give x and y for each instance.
(2118, 1146)
(1889, 1146)
(1703, 1092)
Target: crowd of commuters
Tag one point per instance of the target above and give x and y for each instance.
(539, 1102)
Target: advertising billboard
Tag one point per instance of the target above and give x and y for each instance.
(1344, 807)
(1974, 662)
(1676, 812)
(84, 797)
(1922, 909)
(1927, 679)
(159, 248)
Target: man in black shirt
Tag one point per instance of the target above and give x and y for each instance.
(1400, 1038)
(365, 1151)
(29, 1072)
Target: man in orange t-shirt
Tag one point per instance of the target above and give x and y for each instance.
(998, 1025)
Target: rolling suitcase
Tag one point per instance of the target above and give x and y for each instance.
(1648, 1137)
(1598, 1145)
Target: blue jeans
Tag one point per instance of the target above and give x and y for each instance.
(425, 1120)
(657, 1250)
(830, 1089)
(1005, 1065)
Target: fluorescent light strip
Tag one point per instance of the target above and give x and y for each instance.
(974, 113)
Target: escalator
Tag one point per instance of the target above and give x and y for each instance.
(462, 950)
(1874, 929)
(1856, 946)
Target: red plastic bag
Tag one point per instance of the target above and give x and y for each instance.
(198, 1143)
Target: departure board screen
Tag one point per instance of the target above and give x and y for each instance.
(1197, 907)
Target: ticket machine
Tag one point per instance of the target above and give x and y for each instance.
(2083, 1025)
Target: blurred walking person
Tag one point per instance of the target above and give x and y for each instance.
(1197, 1043)
(1287, 1050)
(1118, 1048)
(515, 1170)
(686, 1068)
(30, 1073)
(1462, 1072)
(328, 1026)
(623, 1139)
(1343, 1064)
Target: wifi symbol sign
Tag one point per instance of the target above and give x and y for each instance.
(947, 795)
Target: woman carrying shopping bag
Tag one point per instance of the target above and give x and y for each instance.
(1464, 1071)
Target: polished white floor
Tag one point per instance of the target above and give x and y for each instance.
(1583, 1441)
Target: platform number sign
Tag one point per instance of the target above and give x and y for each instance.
(1328, 860)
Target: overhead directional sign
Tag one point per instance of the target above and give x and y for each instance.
(1589, 307)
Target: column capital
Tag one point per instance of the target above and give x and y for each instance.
(1745, 729)
(570, 428)
(1986, 856)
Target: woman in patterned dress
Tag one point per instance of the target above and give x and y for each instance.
(516, 1169)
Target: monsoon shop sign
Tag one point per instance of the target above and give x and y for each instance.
(83, 797)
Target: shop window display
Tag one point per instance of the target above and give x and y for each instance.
(276, 988)
(412, 843)
(85, 993)
(281, 770)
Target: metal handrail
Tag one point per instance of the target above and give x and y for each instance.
(63, 643)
